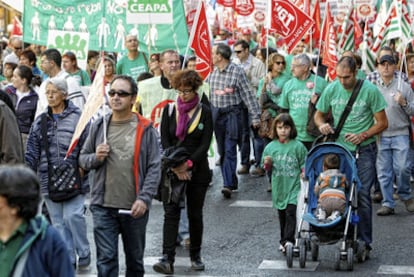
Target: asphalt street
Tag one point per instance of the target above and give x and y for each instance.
(241, 238)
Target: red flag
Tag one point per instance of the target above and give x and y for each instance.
(316, 30)
(290, 22)
(244, 8)
(200, 42)
(329, 57)
(226, 3)
(358, 33)
(17, 27)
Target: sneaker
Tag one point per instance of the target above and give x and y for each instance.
(384, 210)
(377, 198)
(197, 264)
(164, 266)
(186, 243)
(226, 192)
(409, 205)
(84, 262)
(320, 214)
(258, 172)
(395, 196)
(282, 249)
(243, 170)
(269, 188)
(334, 215)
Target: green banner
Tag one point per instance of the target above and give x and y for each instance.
(106, 23)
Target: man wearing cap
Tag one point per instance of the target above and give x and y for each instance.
(394, 142)
(246, 35)
(366, 119)
(9, 64)
(374, 77)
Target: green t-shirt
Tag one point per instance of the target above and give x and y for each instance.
(132, 68)
(82, 77)
(9, 249)
(288, 160)
(361, 75)
(295, 97)
(280, 82)
(368, 102)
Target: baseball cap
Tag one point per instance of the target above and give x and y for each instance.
(387, 58)
(246, 31)
(11, 58)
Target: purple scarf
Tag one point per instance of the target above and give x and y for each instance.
(183, 118)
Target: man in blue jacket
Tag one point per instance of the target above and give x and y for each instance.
(29, 246)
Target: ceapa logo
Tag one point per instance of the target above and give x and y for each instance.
(285, 16)
(149, 6)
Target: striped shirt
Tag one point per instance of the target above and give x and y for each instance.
(230, 87)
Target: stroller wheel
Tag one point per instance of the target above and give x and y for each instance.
(314, 251)
(289, 254)
(302, 253)
(350, 259)
(337, 264)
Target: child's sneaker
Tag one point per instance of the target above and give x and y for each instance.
(282, 248)
(334, 215)
(320, 214)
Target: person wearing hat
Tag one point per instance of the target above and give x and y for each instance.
(394, 142)
(9, 65)
(374, 77)
(246, 35)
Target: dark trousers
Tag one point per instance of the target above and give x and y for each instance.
(287, 220)
(244, 143)
(195, 201)
(107, 225)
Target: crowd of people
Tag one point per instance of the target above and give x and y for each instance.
(159, 110)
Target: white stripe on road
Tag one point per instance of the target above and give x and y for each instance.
(281, 265)
(396, 270)
(251, 204)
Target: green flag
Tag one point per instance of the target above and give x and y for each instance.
(106, 23)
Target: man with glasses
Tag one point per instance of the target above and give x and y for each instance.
(229, 90)
(51, 65)
(125, 181)
(298, 91)
(255, 70)
(135, 62)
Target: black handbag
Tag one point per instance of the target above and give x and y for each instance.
(64, 180)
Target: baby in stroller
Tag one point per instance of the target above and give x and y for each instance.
(330, 189)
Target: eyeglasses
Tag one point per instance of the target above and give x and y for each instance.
(185, 92)
(238, 51)
(120, 93)
(279, 63)
(296, 65)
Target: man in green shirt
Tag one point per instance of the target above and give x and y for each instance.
(297, 93)
(358, 134)
(135, 62)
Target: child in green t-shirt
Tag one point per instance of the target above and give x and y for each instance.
(285, 158)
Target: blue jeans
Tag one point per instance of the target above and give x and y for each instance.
(393, 154)
(227, 129)
(183, 232)
(108, 224)
(69, 219)
(367, 175)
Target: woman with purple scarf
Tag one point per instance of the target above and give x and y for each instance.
(188, 124)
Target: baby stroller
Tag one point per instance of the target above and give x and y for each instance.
(311, 233)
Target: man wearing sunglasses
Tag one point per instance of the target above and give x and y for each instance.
(125, 181)
(255, 70)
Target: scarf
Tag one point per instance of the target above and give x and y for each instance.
(183, 118)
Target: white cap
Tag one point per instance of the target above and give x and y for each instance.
(11, 58)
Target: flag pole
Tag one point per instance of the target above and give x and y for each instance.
(319, 54)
